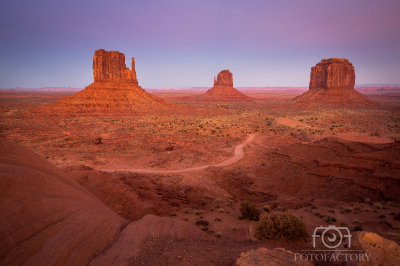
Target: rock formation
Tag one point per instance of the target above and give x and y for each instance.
(224, 78)
(380, 251)
(110, 66)
(333, 73)
(114, 86)
(47, 218)
(265, 257)
(332, 84)
(223, 90)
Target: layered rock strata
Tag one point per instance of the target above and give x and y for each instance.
(332, 84)
(110, 66)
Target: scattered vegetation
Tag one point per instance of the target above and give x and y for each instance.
(250, 233)
(330, 219)
(347, 210)
(282, 225)
(198, 212)
(202, 222)
(249, 211)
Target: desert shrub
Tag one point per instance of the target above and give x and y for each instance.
(282, 225)
(218, 235)
(221, 210)
(267, 208)
(347, 210)
(202, 222)
(198, 212)
(249, 211)
(330, 219)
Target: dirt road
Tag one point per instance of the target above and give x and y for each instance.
(237, 156)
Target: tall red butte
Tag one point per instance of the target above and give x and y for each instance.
(332, 84)
(114, 86)
(223, 90)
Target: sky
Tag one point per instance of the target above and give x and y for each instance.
(185, 43)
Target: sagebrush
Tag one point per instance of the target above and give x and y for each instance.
(282, 225)
(249, 211)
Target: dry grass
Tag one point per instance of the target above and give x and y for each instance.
(250, 233)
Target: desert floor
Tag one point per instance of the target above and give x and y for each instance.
(317, 163)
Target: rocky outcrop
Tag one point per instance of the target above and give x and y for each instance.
(265, 257)
(115, 86)
(47, 218)
(332, 84)
(109, 66)
(333, 73)
(224, 78)
(223, 90)
(379, 251)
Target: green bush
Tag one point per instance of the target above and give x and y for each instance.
(282, 225)
(249, 211)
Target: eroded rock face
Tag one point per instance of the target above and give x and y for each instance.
(47, 218)
(333, 73)
(379, 250)
(332, 84)
(109, 66)
(224, 78)
(264, 257)
(115, 86)
(223, 90)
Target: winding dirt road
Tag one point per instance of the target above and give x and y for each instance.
(237, 156)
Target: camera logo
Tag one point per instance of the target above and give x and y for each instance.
(331, 233)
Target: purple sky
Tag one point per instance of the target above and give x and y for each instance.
(183, 43)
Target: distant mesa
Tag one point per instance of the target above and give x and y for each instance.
(332, 84)
(114, 86)
(223, 90)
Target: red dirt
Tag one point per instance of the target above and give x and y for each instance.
(314, 162)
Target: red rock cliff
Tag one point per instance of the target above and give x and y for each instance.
(332, 84)
(224, 78)
(333, 73)
(109, 66)
(115, 86)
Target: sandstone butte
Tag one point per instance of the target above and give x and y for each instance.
(332, 84)
(114, 86)
(223, 90)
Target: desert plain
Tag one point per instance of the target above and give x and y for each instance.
(313, 162)
(118, 175)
